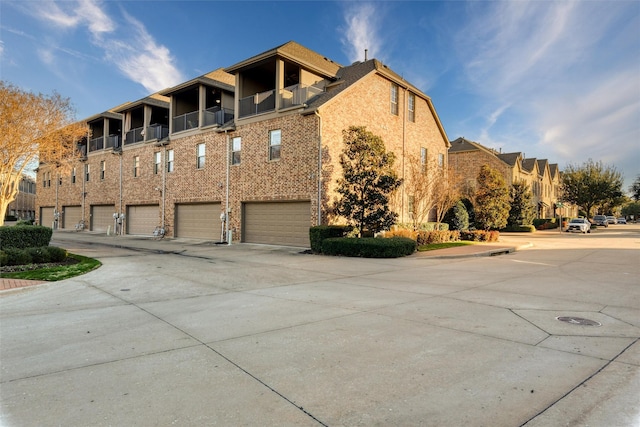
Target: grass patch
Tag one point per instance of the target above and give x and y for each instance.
(434, 246)
(58, 272)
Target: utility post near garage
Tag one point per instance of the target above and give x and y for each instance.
(559, 205)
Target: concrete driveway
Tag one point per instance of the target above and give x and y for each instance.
(192, 334)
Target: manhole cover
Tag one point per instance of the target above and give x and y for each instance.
(578, 321)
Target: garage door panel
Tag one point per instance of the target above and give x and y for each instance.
(277, 223)
(102, 217)
(142, 219)
(198, 221)
(46, 216)
(71, 215)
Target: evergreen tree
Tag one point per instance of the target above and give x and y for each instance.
(522, 210)
(367, 183)
(492, 200)
(457, 217)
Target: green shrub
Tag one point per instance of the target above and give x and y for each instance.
(38, 255)
(22, 236)
(3, 258)
(56, 254)
(425, 226)
(545, 223)
(437, 236)
(25, 222)
(319, 233)
(369, 247)
(480, 236)
(520, 228)
(17, 256)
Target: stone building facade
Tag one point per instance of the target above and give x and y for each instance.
(249, 152)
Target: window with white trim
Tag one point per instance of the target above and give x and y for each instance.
(411, 106)
(73, 175)
(136, 166)
(169, 160)
(423, 159)
(440, 160)
(200, 155)
(157, 161)
(394, 99)
(87, 172)
(102, 169)
(236, 146)
(275, 138)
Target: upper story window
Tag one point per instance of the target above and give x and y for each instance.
(275, 138)
(169, 160)
(236, 145)
(394, 99)
(411, 105)
(102, 169)
(136, 166)
(200, 155)
(423, 159)
(157, 161)
(440, 160)
(73, 175)
(87, 172)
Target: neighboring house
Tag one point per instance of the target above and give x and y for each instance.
(24, 206)
(259, 141)
(467, 157)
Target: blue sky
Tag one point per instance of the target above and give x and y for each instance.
(555, 80)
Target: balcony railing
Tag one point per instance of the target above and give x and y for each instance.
(258, 103)
(217, 116)
(113, 141)
(185, 122)
(96, 144)
(133, 136)
(157, 131)
(297, 95)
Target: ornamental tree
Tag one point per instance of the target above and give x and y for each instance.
(590, 185)
(367, 182)
(522, 210)
(492, 200)
(33, 128)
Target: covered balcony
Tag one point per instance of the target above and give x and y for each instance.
(147, 121)
(105, 132)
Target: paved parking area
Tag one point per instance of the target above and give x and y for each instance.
(188, 333)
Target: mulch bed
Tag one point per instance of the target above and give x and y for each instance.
(29, 267)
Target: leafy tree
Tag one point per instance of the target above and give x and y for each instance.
(33, 128)
(635, 189)
(632, 208)
(367, 183)
(431, 188)
(492, 199)
(522, 210)
(457, 217)
(590, 185)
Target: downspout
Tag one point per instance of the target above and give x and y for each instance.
(164, 185)
(404, 130)
(319, 221)
(120, 208)
(226, 208)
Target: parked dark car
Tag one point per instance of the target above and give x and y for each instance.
(600, 220)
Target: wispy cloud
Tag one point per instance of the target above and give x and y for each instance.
(139, 57)
(361, 31)
(568, 70)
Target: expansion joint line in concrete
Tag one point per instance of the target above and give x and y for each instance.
(310, 415)
(579, 384)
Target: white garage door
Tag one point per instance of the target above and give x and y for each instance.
(71, 215)
(102, 217)
(199, 221)
(46, 216)
(278, 223)
(142, 219)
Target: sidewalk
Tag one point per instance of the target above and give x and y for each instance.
(177, 244)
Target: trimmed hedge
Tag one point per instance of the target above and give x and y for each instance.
(437, 236)
(425, 226)
(369, 247)
(545, 223)
(40, 255)
(520, 228)
(319, 233)
(480, 235)
(25, 236)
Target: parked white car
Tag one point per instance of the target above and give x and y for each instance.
(579, 224)
(622, 220)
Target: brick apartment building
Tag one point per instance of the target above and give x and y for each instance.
(259, 141)
(24, 206)
(467, 157)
